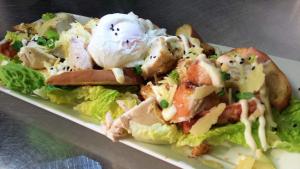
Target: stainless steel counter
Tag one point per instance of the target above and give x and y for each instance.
(33, 138)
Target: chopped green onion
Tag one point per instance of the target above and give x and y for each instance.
(138, 69)
(50, 43)
(244, 95)
(174, 75)
(221, 93)
(17, 45)
(41, 41)
(164, 104)
(225, 76)
(213, 57)
(51, 34)
(48, 16)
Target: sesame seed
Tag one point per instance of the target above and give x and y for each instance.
(274, 128)
(253, 68)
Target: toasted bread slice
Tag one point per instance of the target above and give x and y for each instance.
(93, 77)
(189, 31)
(277, 83)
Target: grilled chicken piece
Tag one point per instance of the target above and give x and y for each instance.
(196, 74)
(188, 100)
(146, 91)
(278, 86)
(160, 60)
(189, 31)
(34, 57)
(78, 57)
(147, 108)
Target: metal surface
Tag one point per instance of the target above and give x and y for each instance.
(33, 138)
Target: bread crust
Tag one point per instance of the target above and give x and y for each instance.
(93, 77)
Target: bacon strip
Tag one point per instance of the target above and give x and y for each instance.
(7, 50)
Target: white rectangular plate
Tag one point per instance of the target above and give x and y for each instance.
(226, 157)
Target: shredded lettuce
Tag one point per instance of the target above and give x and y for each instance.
(2, 58)
(20, 78)
(174, 75)
(156, 133)
(47, 16)
(15, 36)
(51, 33)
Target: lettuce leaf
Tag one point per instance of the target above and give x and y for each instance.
(98, 104)
(155, 134)
(20, 78)
(232, 133)
(59, 95)
(288, 128)
(92, 102)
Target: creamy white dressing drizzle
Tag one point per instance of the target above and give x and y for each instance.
(169, 112)
(262, 125)
(248, 130)
(119, 75)
(213, 72)
(185, 43)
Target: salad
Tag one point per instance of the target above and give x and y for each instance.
(128, 74)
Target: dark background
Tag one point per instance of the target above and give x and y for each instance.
(34, 138)
(270, 25)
